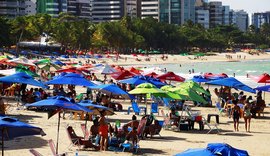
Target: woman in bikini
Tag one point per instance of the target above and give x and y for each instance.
(247, 116)
(236, 115)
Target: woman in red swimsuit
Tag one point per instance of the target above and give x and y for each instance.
(103, 131)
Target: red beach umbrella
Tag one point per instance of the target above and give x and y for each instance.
(152, 74)
(124, 74)
(171, 77)
(135, 71)
(264, 78)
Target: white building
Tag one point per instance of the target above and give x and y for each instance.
(12, 8)
(150, 8)
(30, 7)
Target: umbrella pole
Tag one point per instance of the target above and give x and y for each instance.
(3, 142)
(58, 132)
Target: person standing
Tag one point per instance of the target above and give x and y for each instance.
(236, 115)
(103, 131)
(247, 116)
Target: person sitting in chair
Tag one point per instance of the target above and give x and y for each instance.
(152, 129)
(174, 117)
(79, 140)
(133, 136)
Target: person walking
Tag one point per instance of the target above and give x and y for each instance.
(235, 113)
(247, 116)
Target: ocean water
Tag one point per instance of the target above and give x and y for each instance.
(239, 69)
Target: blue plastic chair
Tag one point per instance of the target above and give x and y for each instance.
(136, 108)
(154, 108)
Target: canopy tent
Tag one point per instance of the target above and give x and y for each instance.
(170, 76)
(233, 83)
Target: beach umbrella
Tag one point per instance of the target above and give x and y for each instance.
(72, 70)
(124, 74)
(155, 81)
(8, 72)
(111, 90)
(24, 69)
(22, 61)
(170, 76)
(12, 128)
(135, 71)
(199, 78)
(146, 88)
(70, 79)
(189, 93)
(96, 108)
(50, 67)
(151, 74)
(264, 78)
(135, 80)
(22, 78)
(59, 63)
(43, 61)
(194, 86)
(196, 152)
(263, 88)
(59, 103)
(212, 76)
(225, 149)
(173, 95)
(107, 69)
(233, 83)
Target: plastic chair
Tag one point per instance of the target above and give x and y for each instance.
(136, 108)
(74, 142)
(211, 126)
(220, 109)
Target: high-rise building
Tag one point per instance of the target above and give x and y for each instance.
(106, 10)
(12, 8)
(258, 19)
(79, 8)
(52, 7)
(132, 8)
(215, 13)
(242, 20)
(225, 15)
(150, 8)
(30, 7)
(176, 11)
(202, 17)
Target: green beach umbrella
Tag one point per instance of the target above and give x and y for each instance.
(173, 95)
(24, 69)
(200, 54)
(50, 67)
(43, 61)
(194, 86)
(192, 95)
(146, 88)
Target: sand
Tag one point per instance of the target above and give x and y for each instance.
(171, 142)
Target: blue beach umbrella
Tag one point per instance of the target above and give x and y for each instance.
(196, 152)
(22, 78)
(59, 63)
(233, 83)
(70, 79)
(135, 80)
(112, 90)
(155, 81)
(96, 108)
(225, 149)
(12, 128)
(59, 103)
(263, 88)
(199, 78)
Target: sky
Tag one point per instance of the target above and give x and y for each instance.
(250, 6)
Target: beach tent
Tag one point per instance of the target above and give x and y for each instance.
(170, 76)
(70, 79)
(233, 83)
(59, 103)
(12, 128)
(22, 78)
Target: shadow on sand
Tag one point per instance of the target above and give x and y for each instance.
(26, 142)
(24, 118)
(164, 138)
(147, 151)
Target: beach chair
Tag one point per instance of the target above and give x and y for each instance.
(220, 109)
(136, 108)
(211, 126)
(52, 147)
(141, 127)
(85, 132)
(34, 152)
(128, 146)
(74, 143)
(154, 108)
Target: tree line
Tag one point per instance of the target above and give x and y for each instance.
(128, 34)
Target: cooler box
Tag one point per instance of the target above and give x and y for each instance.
(198, 118)
(183, 126)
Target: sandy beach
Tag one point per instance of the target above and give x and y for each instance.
(170, 142)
